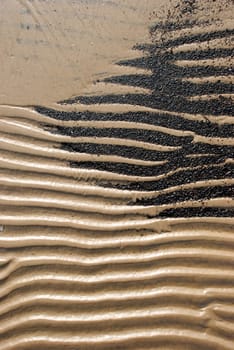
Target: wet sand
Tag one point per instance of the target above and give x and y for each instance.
(116, 175)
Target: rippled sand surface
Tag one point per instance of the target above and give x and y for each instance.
(116, 175)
